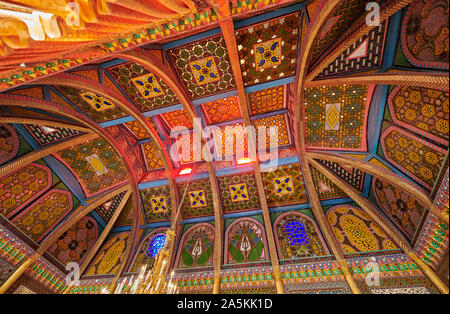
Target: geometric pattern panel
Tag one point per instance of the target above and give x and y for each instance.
(198, 200)
(23, 186)
(422, 110)
(157, 203)
(284, 186)
(96, 164)
(197, 247)
(266, 100)
(352, 176)
(245, 242)
(338, 21)
(9, 143)
(222, 110)
(111, 256)
(336, 116)
(40, 218)
(203, 67)
(107, 209)
(145, 89)
(137, 130)
(96, 107)
(355, 230)
(177, 118)
(46, 135)
(230, 140)
(76, 242)
(418, 158)
(126, 215)
(238, 192)
(403, 209)
(279, 124)
(268, 51)
(324, 187)
(152, 156)
(364, 54)
(6, 270)
(424, 34)
(298, 236)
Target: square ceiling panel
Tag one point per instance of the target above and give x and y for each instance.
(336, 117)
(267, 100)
(177, 118)
(239, 192)
(279, 123)
(268, 51)
(222, 110)
(135, 128)
(145, 89)
(230, 140)
(203, 67)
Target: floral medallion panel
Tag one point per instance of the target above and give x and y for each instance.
(146, 90)
(238, 192)
(424, 34)
(157, 204)
(404, 210)
(355, 230)
(203, 67)
(110, 257)
(268, 50)
(198, 201)
(284, 186)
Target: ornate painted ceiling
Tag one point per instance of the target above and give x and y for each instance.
(290, 144)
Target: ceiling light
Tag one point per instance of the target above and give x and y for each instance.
(184, 171)
(244, 160)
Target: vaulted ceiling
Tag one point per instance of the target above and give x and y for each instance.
(98, 122)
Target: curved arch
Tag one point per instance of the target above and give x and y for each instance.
(152, 234)
(304, 217)
(389, 176)
(261, 228)
(188, 232)
(25, 101)
(152, 64)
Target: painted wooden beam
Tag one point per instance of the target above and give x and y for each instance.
(48, 150)
(388, 176)
(404, 78)
(40, 121)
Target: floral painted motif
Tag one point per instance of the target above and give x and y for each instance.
(268, 53)
(204, 70)
(148, 86)
(96, 101)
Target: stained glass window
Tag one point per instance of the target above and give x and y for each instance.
(297, 237)
(296, 232)
(156, 245)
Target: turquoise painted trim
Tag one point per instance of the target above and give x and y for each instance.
(281, 162)
(393, 35)
(153, 184)
(288, 208)
(198, 219)
(27, 136)
(275, 83)
(234, 170)
(189, 39)
(65, 176)
(336, 201)
(156, 225)
(111, 63)
(199, 101)
(366, 185)
(195, 176)
(116, 121)
(159, 111)
(121, 229)
(268, 16)
(243, 214)
(98, 218)
(375, 118)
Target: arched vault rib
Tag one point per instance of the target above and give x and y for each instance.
(12, 118)
(25, 101)
(148, 61)
(403, 78)
(80, 82)
(323, 10)
(385, 225)
(387, 175)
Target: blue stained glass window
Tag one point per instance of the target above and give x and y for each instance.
(296, 232)
(156, 245)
